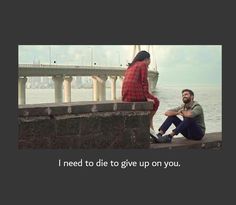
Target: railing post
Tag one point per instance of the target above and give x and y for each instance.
(95, 88)
(113, 87)
(67, 88)
(121, 80)
(102, 87)
(21, 90)
(58, 81)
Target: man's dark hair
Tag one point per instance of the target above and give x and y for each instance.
(187, 90)
(142, 55)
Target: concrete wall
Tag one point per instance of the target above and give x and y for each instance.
(84, 125)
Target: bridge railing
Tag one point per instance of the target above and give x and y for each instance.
(62, 75)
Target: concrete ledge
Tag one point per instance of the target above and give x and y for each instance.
(87, 125)
(209, 141)
(50, 109)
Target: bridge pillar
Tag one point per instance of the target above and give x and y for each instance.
(21, 90)
(95, 88)
(150, 84)
(121, 80)
(58, 83)
(102, 87)
(154, 80)
(113, 87)
(67, 88)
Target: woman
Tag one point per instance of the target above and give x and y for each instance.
(135, 84)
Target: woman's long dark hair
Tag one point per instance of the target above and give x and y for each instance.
(142, 55)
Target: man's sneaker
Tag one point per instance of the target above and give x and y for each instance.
(164, 139)
(157, 138)
(153, 135)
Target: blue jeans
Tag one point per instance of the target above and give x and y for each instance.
(188, 127)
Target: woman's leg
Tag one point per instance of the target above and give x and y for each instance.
(151, 119)
(156, 104)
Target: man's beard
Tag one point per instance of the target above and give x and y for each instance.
(186, 100)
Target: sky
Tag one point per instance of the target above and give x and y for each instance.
(176, 64)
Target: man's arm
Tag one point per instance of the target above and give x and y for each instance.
(174, 112)
(180, 112)
(171, 113)
(196, 110)
(186, 113)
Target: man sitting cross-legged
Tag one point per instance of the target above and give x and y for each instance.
(192, 126)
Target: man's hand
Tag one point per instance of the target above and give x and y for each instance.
(180, 112)
(186, 113)
(174, 113)
(171, 113)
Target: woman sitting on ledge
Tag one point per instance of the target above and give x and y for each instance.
(135, 84)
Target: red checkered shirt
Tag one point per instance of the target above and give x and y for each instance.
(135, 85)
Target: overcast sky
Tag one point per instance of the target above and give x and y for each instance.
(197, 64)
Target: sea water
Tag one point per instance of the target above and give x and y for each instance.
(209, 96)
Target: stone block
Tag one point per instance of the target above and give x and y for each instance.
(67, 126)
(90, 124)
(63, 142)
(27, 112)
(140, 106)
(136, 119)
(25, 128)
(44, 128)
(108, 107)
(81, 109)
(60, 110)
(124, 106)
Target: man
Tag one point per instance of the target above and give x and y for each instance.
(192, 126)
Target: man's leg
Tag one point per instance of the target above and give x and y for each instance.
(189, 129)
(168, 122)
(181, 127)
(195, 132)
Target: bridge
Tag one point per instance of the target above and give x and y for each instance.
(62, 76)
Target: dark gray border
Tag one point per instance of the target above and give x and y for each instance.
(32, 177)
